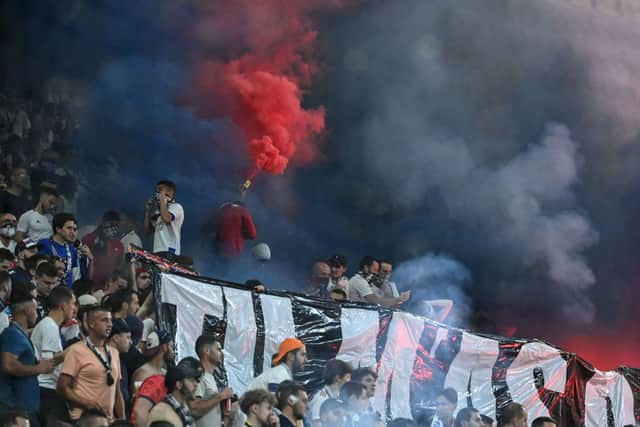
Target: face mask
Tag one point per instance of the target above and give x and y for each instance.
(110, 232)
(8, 231)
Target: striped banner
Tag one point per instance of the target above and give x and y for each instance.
(414, 356)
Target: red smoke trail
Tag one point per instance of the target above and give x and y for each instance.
(270, 44)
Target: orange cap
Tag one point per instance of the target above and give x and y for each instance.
(289, 344)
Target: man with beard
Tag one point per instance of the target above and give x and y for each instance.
(105, 244)
(290, 359)
(206, 407)
(8, 223)
(62, 244)
(91, 370)
(318, 281)
(47, 342)
(360, 288)
(257, 405)
(181, 383)
(34, 224)
(15, 199)
(46, 280)
(149, 380)
(292, 403)
(19, 366)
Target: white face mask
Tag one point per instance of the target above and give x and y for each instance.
(8, 231)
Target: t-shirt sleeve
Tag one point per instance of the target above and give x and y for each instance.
(316, 403)
(200, 391)
(177, 213)
(10, 342)
(361, 287)
(72, 361)
(49, 339)
(23, 222)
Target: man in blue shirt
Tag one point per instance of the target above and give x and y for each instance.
(19, 368)
(78, 261)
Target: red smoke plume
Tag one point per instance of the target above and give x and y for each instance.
(270, 46)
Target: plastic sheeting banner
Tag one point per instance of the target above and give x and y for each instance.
(414, 356)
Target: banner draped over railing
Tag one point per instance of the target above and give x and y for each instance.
(414, 356)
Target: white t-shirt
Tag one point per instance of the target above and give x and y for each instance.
(46, 342)
(359, 288)
(206, 390)
(317, 401)
(271, 378)
(11, 246)
(131, 238)
(35, 225)
(166, 237)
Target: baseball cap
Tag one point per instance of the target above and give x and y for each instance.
(289, 344)
(337, 260)
(87, 299)
(155, 340)
(120, 326)
(25, 244)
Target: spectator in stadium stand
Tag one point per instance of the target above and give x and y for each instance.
(5, 293)
(181, 382)
(19, 368)
(159, 354)
(78, 261)
(354, 396)
(230, 227)
(143, 283)
(290, 359)
(338, 265)
(332, 414)
(360, 289)
(337, 295)
(46, 279)
(512, 415)
(336, 373)
(258, 405)
(468, 417)
(446, 403)
(292, 403)
(15, 199)
(47, 343)
(120, 340)
(24, 250)
(164, 218)
(118, 280)
(255, 285)
(8, 223)
(93, 418)
(122, 303)
(91, 371)
(318, 281)
(107, 249)
(367, 377)
(206, 406)
(543, 422)
(7, 260)
(387, 287)
(34, 223)
(486, 421)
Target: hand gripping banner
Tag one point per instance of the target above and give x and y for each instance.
(413, 356)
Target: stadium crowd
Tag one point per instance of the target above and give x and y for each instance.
(79, 342)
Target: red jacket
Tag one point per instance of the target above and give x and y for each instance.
(232, 225)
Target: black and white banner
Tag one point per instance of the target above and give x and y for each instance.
(414, 357)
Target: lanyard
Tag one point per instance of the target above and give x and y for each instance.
(105, 363)
(68, 261)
